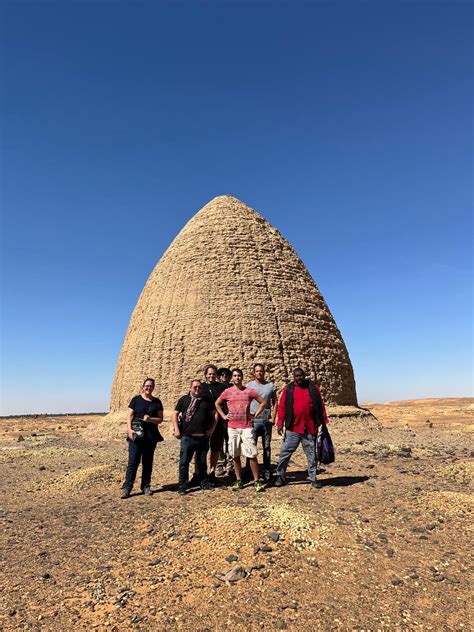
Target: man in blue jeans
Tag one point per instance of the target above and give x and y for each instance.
(194, 420)
(263, 424)
(301, 412)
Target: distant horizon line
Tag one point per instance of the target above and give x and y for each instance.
(360, 405)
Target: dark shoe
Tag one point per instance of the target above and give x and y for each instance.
(125, 493)
(147, 491)
(316, 485)
(212, 478)
(181, 489)
(194, 482)
(280, 481)
(207, 485)
(267, 477)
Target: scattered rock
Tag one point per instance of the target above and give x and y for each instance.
(274, 536)
(235, 574)
(431, 526)
(42, 468)
(390, 552)
(266, 549)
(231, 558)
(395, 581)
(154, 562)
(20, 438)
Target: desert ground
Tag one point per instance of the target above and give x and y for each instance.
(384, 545)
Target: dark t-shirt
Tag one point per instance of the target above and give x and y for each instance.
(142, 406)
(202, 419)
(213, 390)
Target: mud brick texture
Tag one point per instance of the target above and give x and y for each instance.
(232, 291)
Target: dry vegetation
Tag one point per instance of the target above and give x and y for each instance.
(385, 545)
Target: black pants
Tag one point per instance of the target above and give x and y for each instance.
(140, 450)
(189, 446)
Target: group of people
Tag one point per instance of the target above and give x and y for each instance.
(224, 418)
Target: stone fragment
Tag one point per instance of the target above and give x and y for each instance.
(235, 574)
(274, 536)
(20, 438)
(231, 558)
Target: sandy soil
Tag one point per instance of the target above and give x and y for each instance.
(384, 545)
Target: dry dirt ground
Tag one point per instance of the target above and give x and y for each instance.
(384, 545)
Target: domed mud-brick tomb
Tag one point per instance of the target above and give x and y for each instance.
(232, 291)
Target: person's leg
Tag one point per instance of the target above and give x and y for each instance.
(309, 447)
(202, 448)
(148, 452)
(185, 457)
(134, 456)
(217, 441)
(235, 439)
(267, 447)
(258, 431)
(288, 446)
(249, 447)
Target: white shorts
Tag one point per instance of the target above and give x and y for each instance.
(242, 438)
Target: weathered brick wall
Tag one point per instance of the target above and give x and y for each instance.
(232, 291)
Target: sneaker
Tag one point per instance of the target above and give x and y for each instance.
(316, 484)
(125, 493)
(280, 481)
(220, 470)
(259, 486)
(181, 489)
(147, 491)
(207, 485)
(267, 477)
(237, 485)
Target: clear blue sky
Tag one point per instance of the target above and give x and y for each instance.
(347, 125)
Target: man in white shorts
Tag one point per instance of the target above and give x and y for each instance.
(241, 434)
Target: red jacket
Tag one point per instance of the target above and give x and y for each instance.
(303, 410)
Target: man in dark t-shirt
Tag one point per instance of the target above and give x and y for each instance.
(194, 420)
(213, 389)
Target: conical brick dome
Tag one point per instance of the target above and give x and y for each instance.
(232, 291)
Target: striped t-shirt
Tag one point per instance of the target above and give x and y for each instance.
(238, 404)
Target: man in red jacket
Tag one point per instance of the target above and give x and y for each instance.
(300, 412)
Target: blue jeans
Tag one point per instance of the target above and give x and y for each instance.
(290, 442)
(140, 450)
(263, 428)
(189, 446)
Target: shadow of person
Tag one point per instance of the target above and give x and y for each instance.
(343, 481)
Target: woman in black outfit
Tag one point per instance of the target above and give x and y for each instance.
(149, 411)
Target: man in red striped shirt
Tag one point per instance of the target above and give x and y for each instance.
(300, 412)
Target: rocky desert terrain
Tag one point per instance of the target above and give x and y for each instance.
(384, 545)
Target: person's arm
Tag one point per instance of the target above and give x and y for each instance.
(215, 417)
(281, 412)
(154, 420)
(219, 409)
(176, 430)
(263, 405)
(325, 415)
(158, 418)
(131, 415)
(274, 407)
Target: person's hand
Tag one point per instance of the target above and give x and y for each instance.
(146, 417)
(130, 434)
(280, 430)
(177, 433)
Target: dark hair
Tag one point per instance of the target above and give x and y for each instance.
(299, 370)
(238, 371)
(149, 379)
(210, 366)
(258, 364)
(196, 380)
(224, 371)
